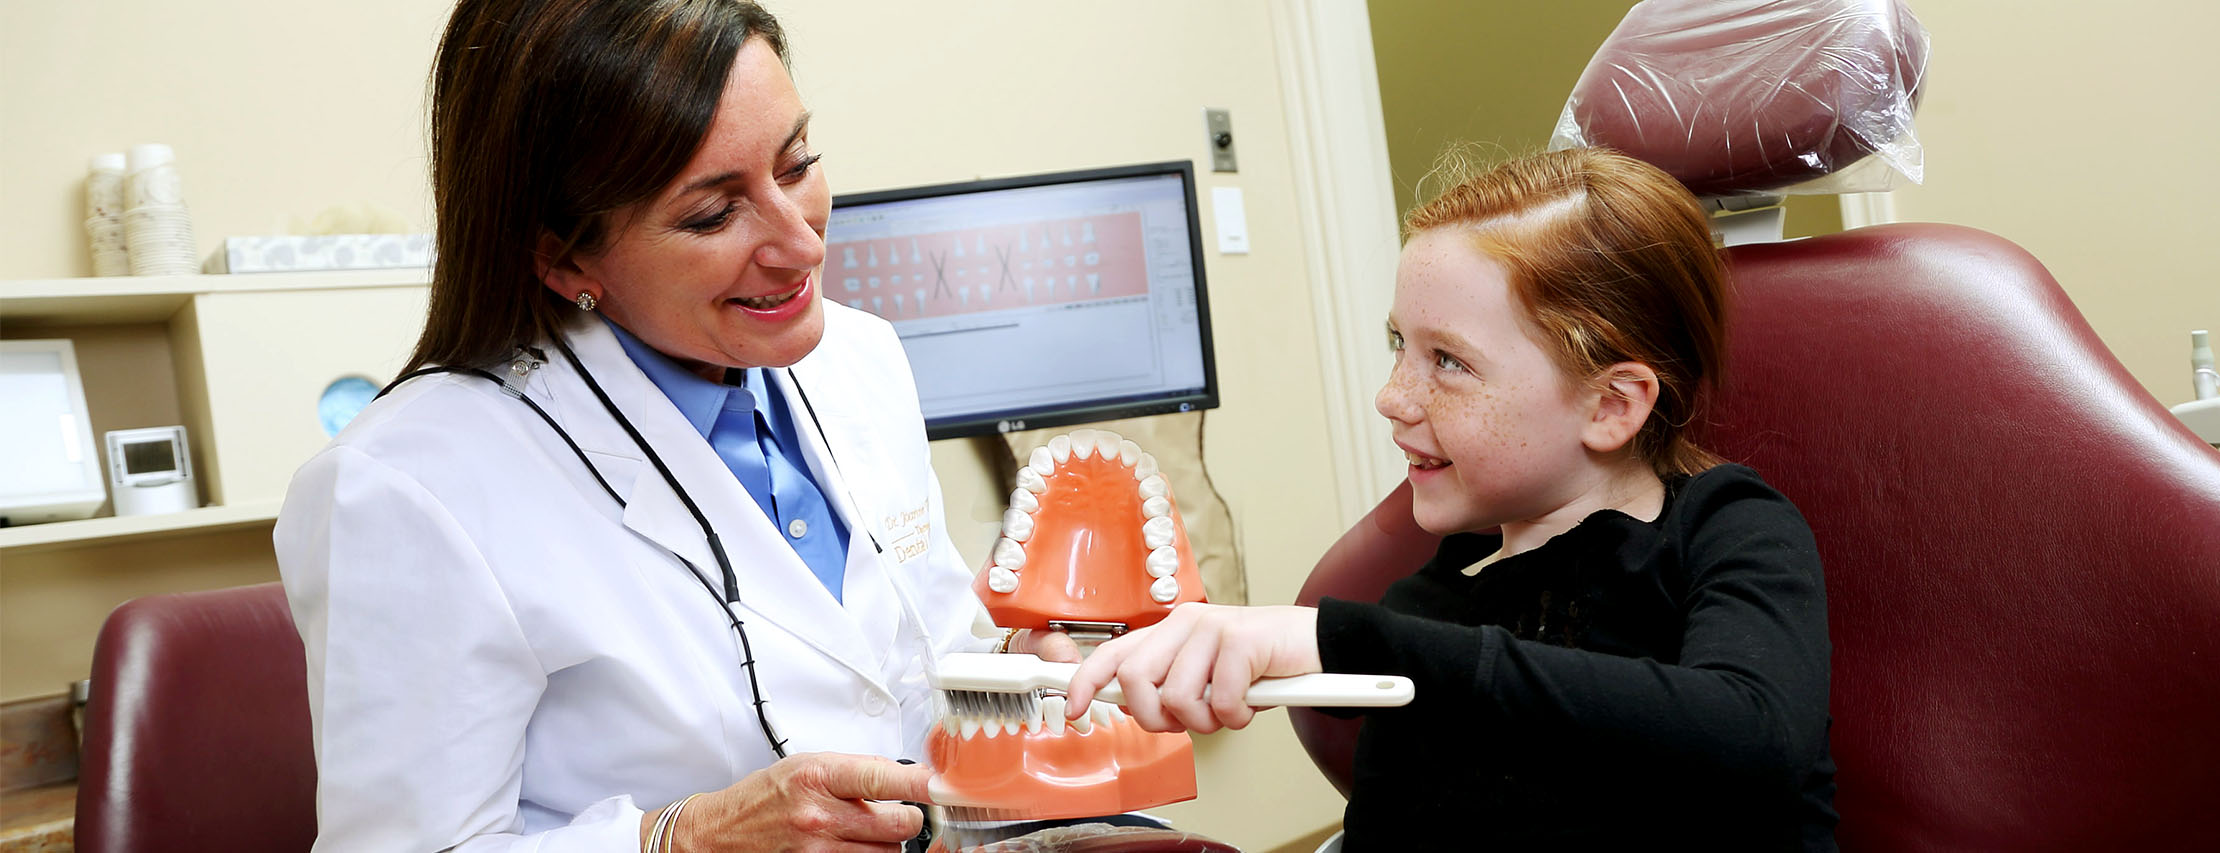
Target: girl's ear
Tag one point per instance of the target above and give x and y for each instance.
(565, 276)
(1625, 393)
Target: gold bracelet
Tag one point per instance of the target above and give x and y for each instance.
(1003, 647)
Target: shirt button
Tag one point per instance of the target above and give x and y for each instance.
(797, 528)
(873, 705)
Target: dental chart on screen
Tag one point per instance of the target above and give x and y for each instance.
(1038, 301)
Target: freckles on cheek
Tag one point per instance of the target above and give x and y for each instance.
(1478, 418)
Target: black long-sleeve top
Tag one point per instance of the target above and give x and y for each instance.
(1626, 683)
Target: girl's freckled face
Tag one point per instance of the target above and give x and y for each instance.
(1471, 387)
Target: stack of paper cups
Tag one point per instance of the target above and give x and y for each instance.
(155, 226)
(104, 215)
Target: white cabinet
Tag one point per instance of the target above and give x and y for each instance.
(240, 360)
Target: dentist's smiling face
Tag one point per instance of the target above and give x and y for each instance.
(1491, 426)
(720, 268)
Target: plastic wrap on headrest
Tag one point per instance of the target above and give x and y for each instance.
(1740, 97)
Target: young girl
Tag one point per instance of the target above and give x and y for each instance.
(1621, 641)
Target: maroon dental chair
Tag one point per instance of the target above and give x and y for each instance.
(197, 733)
(2021, 546)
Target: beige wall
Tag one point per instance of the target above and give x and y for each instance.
(275, 109)
(279, 109)
(2077, 134)
(2084, 136)
(1497, 74)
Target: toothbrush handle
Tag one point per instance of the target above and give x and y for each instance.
(1325, 689)
(1333, 690)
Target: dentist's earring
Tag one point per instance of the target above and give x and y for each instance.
(585, 301)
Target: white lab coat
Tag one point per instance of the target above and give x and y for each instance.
(500, 657)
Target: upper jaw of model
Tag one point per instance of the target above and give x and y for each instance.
(1076, 545)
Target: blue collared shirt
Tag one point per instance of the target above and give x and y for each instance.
(771, 468)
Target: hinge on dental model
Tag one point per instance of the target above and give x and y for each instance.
(1088, 632)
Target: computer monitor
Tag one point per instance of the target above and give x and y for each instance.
(1036, 301)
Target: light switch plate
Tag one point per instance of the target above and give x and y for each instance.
(1218, 124)
(1232, 217)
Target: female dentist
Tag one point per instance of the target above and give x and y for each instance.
(646, 545)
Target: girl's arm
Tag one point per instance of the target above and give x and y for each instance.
(1747, 697)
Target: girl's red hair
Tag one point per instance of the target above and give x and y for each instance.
(1613, 261)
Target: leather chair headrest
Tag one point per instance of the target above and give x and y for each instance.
(1738, 97)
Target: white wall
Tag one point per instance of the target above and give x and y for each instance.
(279, 109)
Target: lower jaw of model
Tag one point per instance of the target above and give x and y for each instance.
(1044, 768)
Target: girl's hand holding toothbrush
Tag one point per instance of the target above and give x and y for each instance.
(1192, 671)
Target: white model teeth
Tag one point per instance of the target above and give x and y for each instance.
(1145, 468)
(1085, 723)
(1108, 444)
(1017, 525)
(1154, 486)
(967, 728)
(1164, 590)
(1157, 532)
(1009, 554)
(1052, 710)
(1163, 562)
(1102, 713)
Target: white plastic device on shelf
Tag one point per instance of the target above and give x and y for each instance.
(49, 467)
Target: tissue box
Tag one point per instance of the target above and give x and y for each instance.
(330, 252)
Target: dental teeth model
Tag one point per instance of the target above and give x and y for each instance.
(1045, 768)
(1093, 534)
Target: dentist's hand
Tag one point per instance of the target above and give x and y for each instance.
(1046, 645)
(813, 801)
(1166, 668)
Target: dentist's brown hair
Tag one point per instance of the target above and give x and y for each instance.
(546, 117)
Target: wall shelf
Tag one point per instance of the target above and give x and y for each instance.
(153, 299)
(33, 538)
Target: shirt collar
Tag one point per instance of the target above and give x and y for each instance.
(698, 399)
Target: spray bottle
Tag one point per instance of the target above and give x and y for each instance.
(2202, 372)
